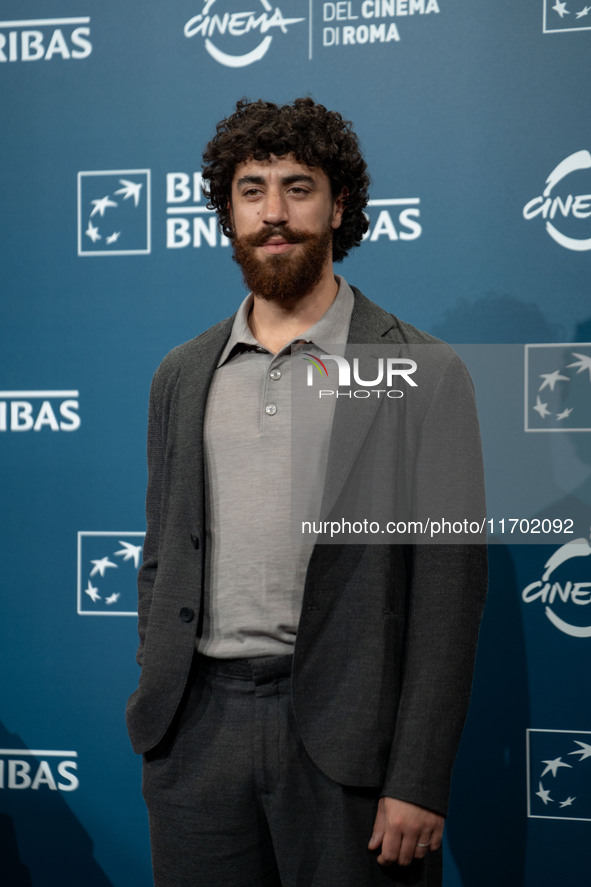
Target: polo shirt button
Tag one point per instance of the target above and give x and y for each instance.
(187, 614)
(275, 375)
(195, 540)
(270, 409)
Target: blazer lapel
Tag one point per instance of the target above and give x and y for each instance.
(196, 379)
(353, 417)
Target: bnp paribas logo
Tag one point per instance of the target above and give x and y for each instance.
(566, 15)
(558, 387)
(108, 562)
(114, 212)
(559, 774)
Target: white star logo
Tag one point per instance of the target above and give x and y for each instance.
(561, 9)
(130, 189)
(93, 232)
(541, 408)
(114, 237)
(568, 802)
(584, 12)
(101, 565)
(583, 363)
(101, 205)
(564, 414)
(129, 551)
(92, 593)
(552, 766)
(550, 379)
(544, 794)
(112, 599)
(584, 751)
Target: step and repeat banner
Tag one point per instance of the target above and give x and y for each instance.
(474, 118)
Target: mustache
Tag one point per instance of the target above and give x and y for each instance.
(289, 235)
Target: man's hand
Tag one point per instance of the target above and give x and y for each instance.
(400, 828)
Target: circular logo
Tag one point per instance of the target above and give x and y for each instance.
(565, 210)
(552, 592)
(225, 29)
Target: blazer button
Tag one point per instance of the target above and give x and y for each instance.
(187, 614)
(195, 540)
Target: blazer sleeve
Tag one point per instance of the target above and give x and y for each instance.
(149, 568)
(446, 597)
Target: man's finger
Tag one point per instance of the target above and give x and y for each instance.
(379, 829)
(423, 845)
(390, 849)
(408, 848)
(376, 839)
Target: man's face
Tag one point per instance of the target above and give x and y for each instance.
(284, 215)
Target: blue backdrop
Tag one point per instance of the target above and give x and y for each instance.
(474, 118)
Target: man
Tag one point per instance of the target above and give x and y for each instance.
(300, 704)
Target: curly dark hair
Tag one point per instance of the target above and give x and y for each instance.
(315, 136)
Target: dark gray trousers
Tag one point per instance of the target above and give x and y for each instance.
(235, 801)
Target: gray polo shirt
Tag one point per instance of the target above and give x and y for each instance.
(255, 565)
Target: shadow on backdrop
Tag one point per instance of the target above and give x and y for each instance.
(42, 843)
(487, 824)
(496, 319)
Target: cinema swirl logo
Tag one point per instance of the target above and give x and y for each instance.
(565, 212)
(233, 28)
(557, 594)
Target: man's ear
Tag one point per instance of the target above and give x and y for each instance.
(339, 208)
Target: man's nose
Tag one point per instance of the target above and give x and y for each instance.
(275, 209)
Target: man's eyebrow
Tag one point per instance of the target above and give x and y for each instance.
(298, 177)
(250, 180)
(286, 180)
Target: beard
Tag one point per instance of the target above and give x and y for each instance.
(283, 278)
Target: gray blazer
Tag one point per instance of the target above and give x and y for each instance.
(385, 647)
